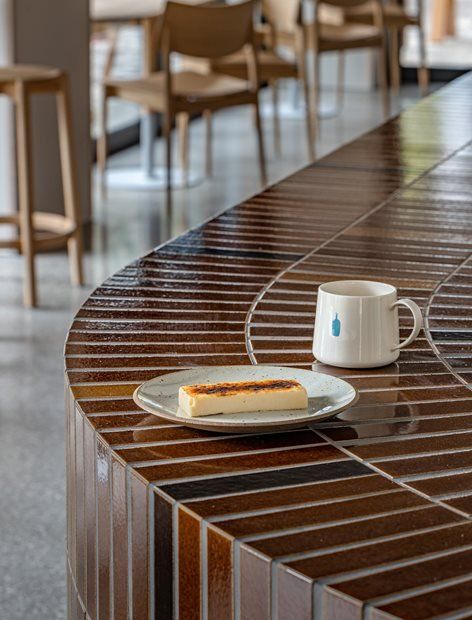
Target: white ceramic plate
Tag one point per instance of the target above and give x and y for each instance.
(327, 396)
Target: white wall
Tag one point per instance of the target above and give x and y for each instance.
(51, 32)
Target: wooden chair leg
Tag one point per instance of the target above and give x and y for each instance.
(382, 77)
(304, 82)
(260, 143)
(183, 129)
(276, 117)
(423, 72)
(316, 94)
(208, 142)
(112, 35)
(102, 146)
(168, 145)
(25, 191)
(340, 84)
(394, 60)
(69, 180)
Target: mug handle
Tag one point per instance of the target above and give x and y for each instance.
(417, 317)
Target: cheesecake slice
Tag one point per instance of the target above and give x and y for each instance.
(242, 396)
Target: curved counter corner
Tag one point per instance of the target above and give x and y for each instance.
(366, 516)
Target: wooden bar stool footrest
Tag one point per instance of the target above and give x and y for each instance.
(51, 231)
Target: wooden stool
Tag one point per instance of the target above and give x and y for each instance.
(42, 231)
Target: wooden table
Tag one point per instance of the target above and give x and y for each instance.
(369, 512)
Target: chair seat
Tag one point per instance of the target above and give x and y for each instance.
(188, 86)
(27, 73)
(395, 16)
(271, 66)
(348, 36)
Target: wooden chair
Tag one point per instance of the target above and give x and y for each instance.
(344, 36)
(200, 32)
(37, 230)
(396, 18)
(281, 16)
(330, 32)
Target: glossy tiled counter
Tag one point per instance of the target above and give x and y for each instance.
(366, 516)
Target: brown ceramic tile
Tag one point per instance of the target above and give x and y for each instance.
(444, 485)
(227, 465)
(102, 541)
(108, 406)
(357, 531)
(436, 603)
(139, 547)
(163, 557)
(219, 568)
(90, 519)
(413, 446)
(254, 582)
(396, 409)
(461, 503)
(264, 480)
(332, 604)
(120, 539)
(220, 446)
(326, 513)
(294, 595)
(71, 487)
(415, 395)
(323, 491)
(80, 506)
(426, 464)
(399, 383)
(420, 574)
(411, 426)
(379, 553)
(189, 579)
(70, 593)
(149, 432)
(69, 479)
(137, 418)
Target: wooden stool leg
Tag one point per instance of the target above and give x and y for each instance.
(112, 34)
(168, 145)
(25, 191)
(451, 18)
(102, 145)
(183, 129)
(382, 72)
(209, 143)
(394, 60)
(316, 94)
(260, 143)
(303, 78)
(423, 72)
(341, 79)
(69, 182)
(275, 111)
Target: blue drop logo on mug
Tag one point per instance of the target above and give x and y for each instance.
(336, 326)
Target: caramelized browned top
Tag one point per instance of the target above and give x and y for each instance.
(231, 388)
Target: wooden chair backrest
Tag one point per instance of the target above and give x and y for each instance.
(282, 15)
(207, 31)
(345, 5)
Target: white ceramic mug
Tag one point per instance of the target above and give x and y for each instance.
(357, 324)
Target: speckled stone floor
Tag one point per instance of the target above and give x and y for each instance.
(127, 224)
